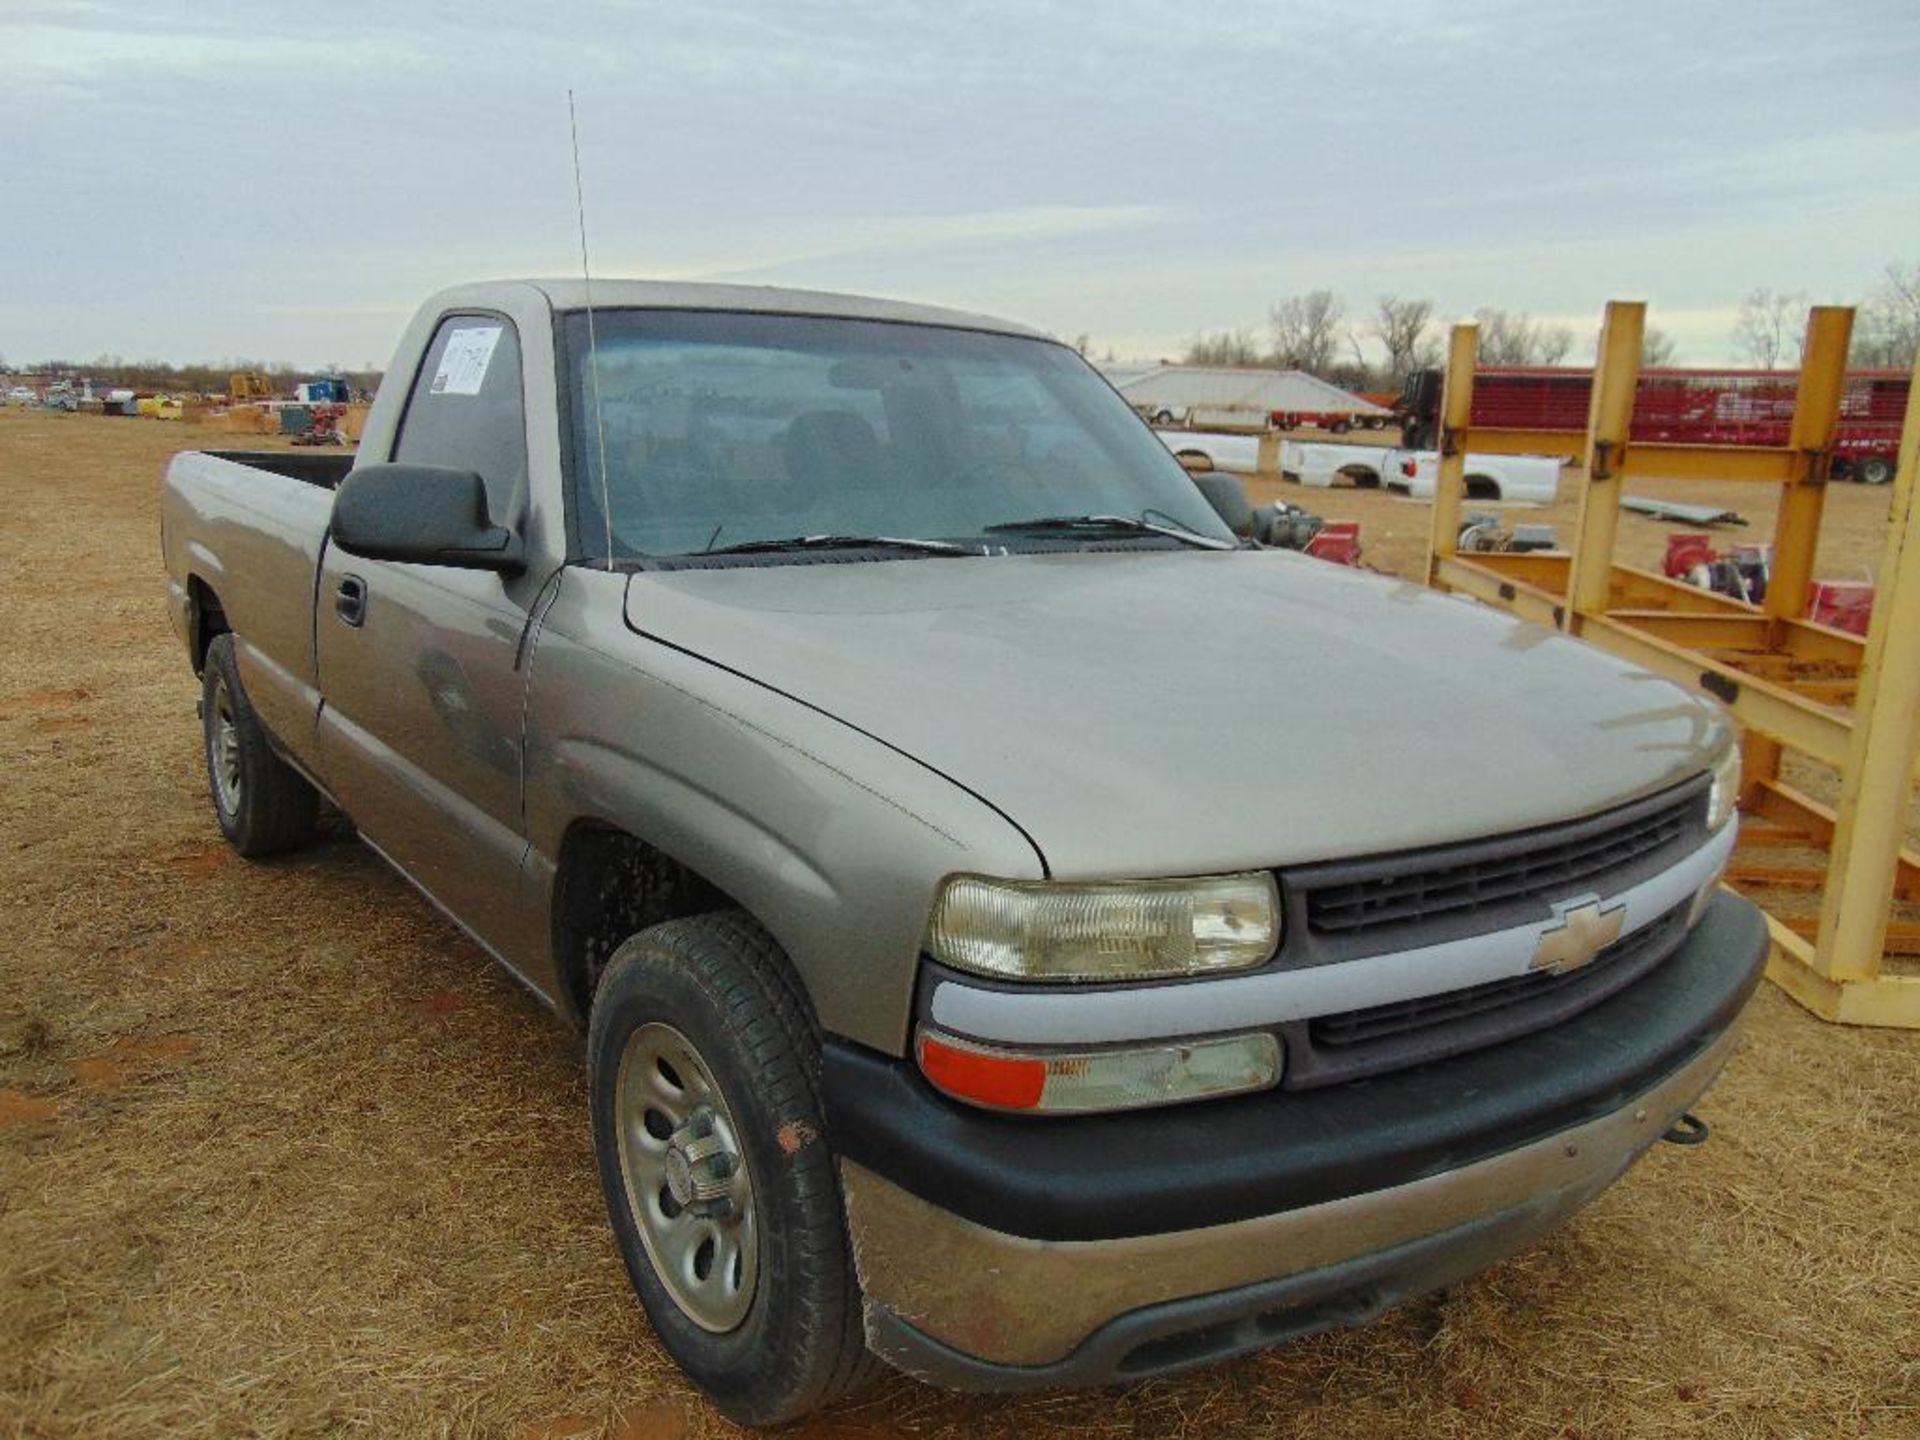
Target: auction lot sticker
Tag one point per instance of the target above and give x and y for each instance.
(463, 364)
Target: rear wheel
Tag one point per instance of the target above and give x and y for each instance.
(703, 1074)
(263, 804)
(1873, 469)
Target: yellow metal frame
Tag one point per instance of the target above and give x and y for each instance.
(1788, 681)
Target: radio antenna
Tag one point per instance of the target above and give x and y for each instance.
(593, 340)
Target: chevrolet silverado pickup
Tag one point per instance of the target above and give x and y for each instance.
(854, 720)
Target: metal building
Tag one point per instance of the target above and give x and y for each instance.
(1226, 395)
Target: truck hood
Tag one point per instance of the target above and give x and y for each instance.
(1156, 713)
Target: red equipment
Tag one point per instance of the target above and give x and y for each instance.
(1705, 407)
(324, 427)
(1843, 604)
(1338, 541)
(1741, 572)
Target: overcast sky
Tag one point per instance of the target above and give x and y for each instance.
(201, 181)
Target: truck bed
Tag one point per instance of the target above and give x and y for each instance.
(326, 471)
(252, 525)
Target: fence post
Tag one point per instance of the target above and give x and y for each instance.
(1877, 783)
(1616, 372)
(1456, 415)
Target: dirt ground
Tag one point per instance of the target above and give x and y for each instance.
(281, 1154)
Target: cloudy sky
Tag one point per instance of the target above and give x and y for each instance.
(200, 181)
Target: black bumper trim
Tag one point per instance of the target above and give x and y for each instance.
(1109, 1176)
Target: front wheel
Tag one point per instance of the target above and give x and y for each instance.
(703, 1076)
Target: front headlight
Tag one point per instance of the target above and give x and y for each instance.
(1724, 794)
(1105, 930)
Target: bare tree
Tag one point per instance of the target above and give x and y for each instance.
(1354, 372)
(1656, 347)
(1767, 331)
(1888, 332)
(1551, 343)
(1514, 337)
(1402, 328)
(1228, 347)
(1307, 330)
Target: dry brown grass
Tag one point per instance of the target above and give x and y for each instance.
(280, 1154)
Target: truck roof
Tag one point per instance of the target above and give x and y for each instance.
(617, 294)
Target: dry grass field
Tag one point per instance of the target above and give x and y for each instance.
(281, 1154)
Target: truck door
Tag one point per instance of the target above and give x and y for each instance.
(419, 665)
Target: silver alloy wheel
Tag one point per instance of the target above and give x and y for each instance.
(223, 749)
(686, 1181)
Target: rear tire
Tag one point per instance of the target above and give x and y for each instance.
(771, 1327)
(263, 804)
(1873, 469)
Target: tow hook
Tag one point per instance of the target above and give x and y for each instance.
(1689, 1129)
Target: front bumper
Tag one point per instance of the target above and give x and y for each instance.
(1079, 1251)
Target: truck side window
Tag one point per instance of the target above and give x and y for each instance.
(467, 407)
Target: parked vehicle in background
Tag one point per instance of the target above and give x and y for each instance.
(1334, 422)
(844, 711)
(330, 391)
(20, 395)
(1213, 449)
(1680, 406)
(249, 385)
(1531, 478)
(1534, 479)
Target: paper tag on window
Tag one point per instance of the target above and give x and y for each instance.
(463, 364)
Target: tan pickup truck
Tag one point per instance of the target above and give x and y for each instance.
(1021, 930)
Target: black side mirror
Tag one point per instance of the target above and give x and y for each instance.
(424, 514)
(1228, 497)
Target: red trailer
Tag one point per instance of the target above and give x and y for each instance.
(1696, 407)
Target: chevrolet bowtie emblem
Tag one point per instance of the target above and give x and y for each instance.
(1583, 932)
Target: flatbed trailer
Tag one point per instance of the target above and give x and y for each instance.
(1688, 407)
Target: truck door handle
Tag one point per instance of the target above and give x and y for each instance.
(350, 599)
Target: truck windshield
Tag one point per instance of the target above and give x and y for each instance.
(723, 429)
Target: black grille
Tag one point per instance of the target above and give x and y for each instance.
(1549, 865)
(1380, 1022)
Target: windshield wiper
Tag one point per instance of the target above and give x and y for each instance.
(1112, 523)
(843, 542)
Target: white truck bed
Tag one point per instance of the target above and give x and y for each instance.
(1529, 478)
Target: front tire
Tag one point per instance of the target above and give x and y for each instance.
(703, 1076)
(263, 804)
